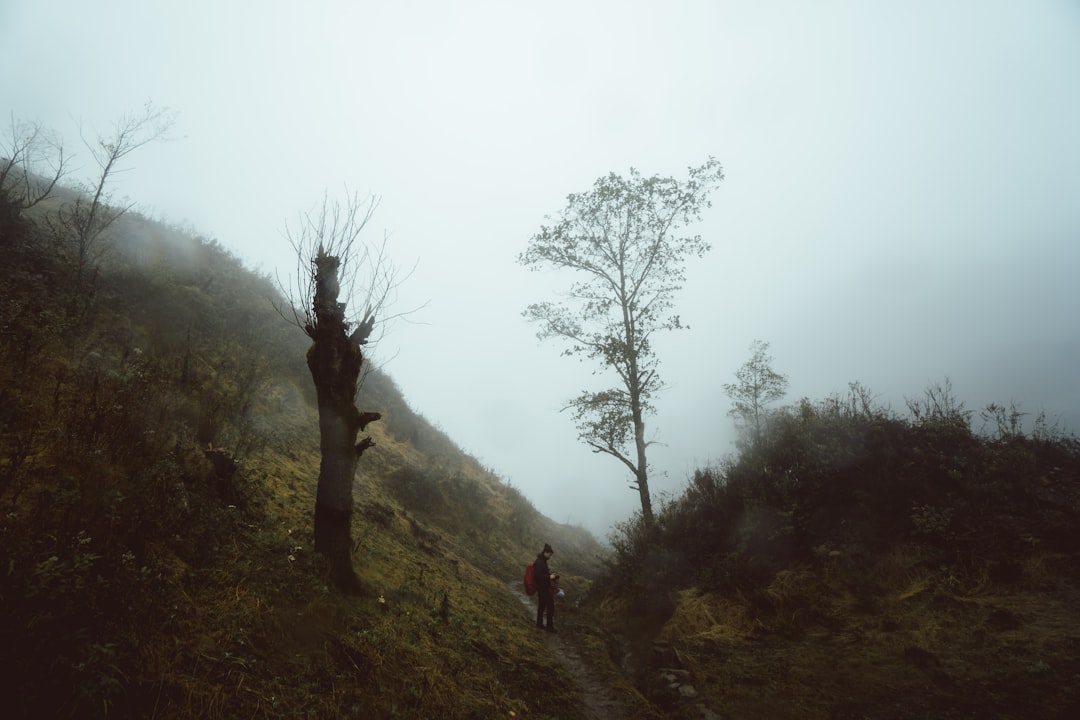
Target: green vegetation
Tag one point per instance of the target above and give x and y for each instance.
(159, 454)
(850, 562)
(158, 461)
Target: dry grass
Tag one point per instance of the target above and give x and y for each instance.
(122, 599)
(246, 624)
(928, 647)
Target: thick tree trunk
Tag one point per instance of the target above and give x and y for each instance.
(334, 360)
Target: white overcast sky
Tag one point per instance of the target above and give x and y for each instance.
(902, 200)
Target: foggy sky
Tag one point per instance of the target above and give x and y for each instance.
(901, 202)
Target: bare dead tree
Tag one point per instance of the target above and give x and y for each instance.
(32, 162)
(81, 224)
(337, 275)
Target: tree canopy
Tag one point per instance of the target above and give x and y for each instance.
(623, 239)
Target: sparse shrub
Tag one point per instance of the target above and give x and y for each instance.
(415, 488)
(523, 514)
(939, 408)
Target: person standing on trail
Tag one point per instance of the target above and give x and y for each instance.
(545, 598)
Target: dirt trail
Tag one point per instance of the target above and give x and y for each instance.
(600, 701)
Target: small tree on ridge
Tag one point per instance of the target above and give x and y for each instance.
(758, 386)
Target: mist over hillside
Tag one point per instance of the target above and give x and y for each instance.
(159, 451)
(875, 517)
(159, 445)
(888, 217)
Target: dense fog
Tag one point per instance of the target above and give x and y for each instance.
(900, 201)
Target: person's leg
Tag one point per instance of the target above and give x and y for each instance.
(545, 606)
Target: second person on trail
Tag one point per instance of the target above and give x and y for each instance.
(545, 598)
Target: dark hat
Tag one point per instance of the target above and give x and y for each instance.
(547, 549)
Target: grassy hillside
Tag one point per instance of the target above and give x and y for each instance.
(855, 563)
(158, 459)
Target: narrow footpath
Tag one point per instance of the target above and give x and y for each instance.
(601, 702)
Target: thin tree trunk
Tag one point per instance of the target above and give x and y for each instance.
(637, 415)
(642, 470)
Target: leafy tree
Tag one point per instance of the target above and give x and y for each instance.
(330, 255)
(622, 239)
(758, 386)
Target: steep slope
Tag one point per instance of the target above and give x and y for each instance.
(158, 457)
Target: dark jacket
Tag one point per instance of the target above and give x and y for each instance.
(541, 573)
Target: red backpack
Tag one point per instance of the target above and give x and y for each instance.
(530, 580)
